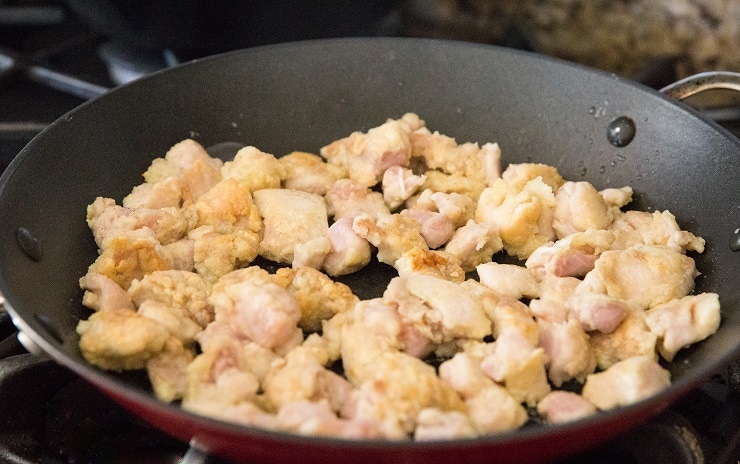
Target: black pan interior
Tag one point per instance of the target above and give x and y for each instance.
(302, 96)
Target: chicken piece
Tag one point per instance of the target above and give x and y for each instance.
(392, 234)
(474, 244)
(569, 354)
(348, 199)
(519, 366)
(617, 197)
(441, 309)
(481, 163)
(167, 370)
(549, 310)
(519, 175)
(308, 172)
(562, 406)
(631, 338)
(166, 193)
(656, 228)
(290, 217)
(245, 412)
(506, 313)
(131, 256)
(226, 290)
(437, 181)
(311, 253)
(108, 220)
(120, 339)
(458, 208)
(182, 290)
(226, 208)
(255, 169)
(626, 382)
(523, 216)
(183, 254)
(103, 294)
(558, 288)
(174, 319)
(430, 262)
(366, 156)
(682, 322)
(579, 208)
(595, 311)
(317, 419)
(433, 424)
(509, 280)
(318, 297)
(643, 275)
(572, 256)
(348, 251)
(436, 228)
(399, 184)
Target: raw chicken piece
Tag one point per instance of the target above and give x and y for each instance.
(519, 366)
(392, 234)
(311, 253)
(430, 262)
(290, 218)
(103, 294)
(255, 169)
(481, 163)
(506, 313)
(399, 184)
(509, 280)
(569, 353)
(318, 297)
(657, 228)
(348, 251)
(522, 215)
(682, 322)
(183, 290)
(120, 339)
(436, 228)
(317, 419)
(572, 256)
(308, 172)
(167, 370)
(474, 244)
(579, 208)
(108, 220)
(437, 181)
(174, 319)
(626, 382)
(643, 275)
(519, 175)
(348, 199)
(631, 338)
(434, 424)
(596, 311)
(366, 156)
(166, 193)
(563, 406)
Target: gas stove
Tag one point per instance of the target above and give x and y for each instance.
(51, 62)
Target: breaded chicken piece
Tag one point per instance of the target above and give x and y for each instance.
(579, 207)
(316, 418)
(226, 208)
(392, 234)
(217, 254)
(183, 290)
(626, 382)
(569, 353)
(308, 172)
(571, 256)
(457, 207)
(349, 199)
(430, 262)
(657, 228)
(167, 370)
(166, 193)
(348, 251)
(519, 175)
(631, 338)
(509, 280)
(438, 181)
(174, 319)
(435, 424)
(564, 406)
(474, 244)
(399, 184)
(255, 169)
(102, 293)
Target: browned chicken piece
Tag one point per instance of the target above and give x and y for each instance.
(131, 256)
(309, 173)
(103, 294)
(626, 382)
(518, 175)
(596, 311)
(457, 207)
(553, 288)
(399, 184)
(474, 244)
(435, 424)
(682, 322)
(481, 163)
(617, 197)
(657, 228)
(317, 419)
(217, 254)
(522, 215)
(254, 168)
(631, 338)
(564, 406)
(182, 290)
(509, 280)
(436, 228)
(311, 253)
(174, 319)
(392, 234)
(183, 254)
(120, 339)
(571, 256)
(643, 275)
(167, 370)
(319, 298)
(438, 181)
(226, 208)
(166, 193)
(580, 208)
(549, 310)
(348, 251)
(226, 290)
(107, 220)
(349, 199)
(366, 156)
(569, 353)
(290, 218)
(430, 262)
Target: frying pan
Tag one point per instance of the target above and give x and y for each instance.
(295, 96)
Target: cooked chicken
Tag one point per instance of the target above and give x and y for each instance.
(631, 338)
(579, 208)
(434, 424)
(317, 419)
(183, 254)
(436, 228)
(596, 311)
(682, 322)
(519, 175)
(348, 199)
(569, 354)
(311, 253)
(185, 291)
(399, 184)
(173, 318)
(572, 256)
(167, 370)
(308, 172)
(617, 197)
(166, 193)
(228, 207)
(255, 169)
(474, 244)
(437, 181)
(626, 382)
(430, 262)
(553, 288)
(392, 234)
(348, 251)
(657, 228)
(563, 406)
(290, 218)
(103, 294)
(458, 208)
(509, 280)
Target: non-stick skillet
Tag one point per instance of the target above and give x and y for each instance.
(303, 95)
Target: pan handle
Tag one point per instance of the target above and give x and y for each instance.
(703, 81)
